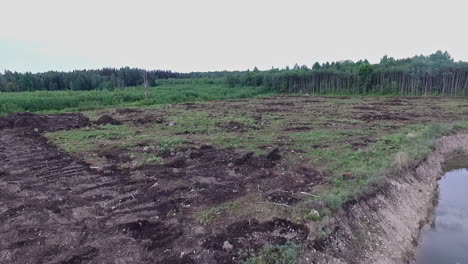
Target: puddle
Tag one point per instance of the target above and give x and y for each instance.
(444, 240)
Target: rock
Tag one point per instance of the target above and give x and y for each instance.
(227, 246)
(410, 135)
(107, 120)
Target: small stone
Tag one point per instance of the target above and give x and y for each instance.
(410, 135)
(227, 246)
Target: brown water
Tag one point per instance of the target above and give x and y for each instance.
(444, 240)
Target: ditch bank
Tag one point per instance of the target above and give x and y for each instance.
(385, 227)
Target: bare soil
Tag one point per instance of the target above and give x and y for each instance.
(90, 207)
(57, 209)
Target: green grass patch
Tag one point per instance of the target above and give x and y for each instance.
(286, 254)
(357, 172)
(167, 93)
(89, 138)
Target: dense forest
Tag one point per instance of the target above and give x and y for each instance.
(107, 78)
(436, 74)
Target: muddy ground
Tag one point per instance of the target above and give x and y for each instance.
(197, 201)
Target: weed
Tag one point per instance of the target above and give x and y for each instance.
(313, 215)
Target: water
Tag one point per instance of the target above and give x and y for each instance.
(444, 240)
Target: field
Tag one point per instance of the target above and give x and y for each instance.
(237, 181)
(169, 92)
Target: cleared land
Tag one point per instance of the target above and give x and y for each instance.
(220, 182)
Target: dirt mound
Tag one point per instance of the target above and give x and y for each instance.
(44, 122)
(107, 120)
(274, 155)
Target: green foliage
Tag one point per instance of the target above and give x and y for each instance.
(312, 216)
(87, 139)
(365, 73)
(66, 101)
(436, 74)
(286, 254)
(316, 136)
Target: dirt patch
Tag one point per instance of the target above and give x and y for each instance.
(107, 120)
(115, 154)
(282, 197)
(124, 111)
(252, 234)
(368, 108)
(298, 129)
(44, 122)
(233, 126)
(369, 117)
(180, 205)
(149, 119)
(271, 110)
(158, 233)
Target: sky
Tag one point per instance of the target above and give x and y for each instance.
(210, 35)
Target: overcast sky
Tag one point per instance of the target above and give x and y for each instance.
(207, 35)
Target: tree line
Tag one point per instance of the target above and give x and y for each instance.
(106, 78)
(435, 74)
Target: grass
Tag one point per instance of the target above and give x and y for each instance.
(208, 215)
(94, 138)
(389, 155)
(166, 93)
(270, 254)
(90, 138)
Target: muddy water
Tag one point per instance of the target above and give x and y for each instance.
(444, 240)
